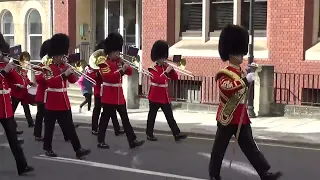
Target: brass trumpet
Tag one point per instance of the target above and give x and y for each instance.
(17, 62)
(134, 63)
(180, 67)
(65, 60)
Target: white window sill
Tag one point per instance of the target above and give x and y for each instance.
(197, 48)
(313, 53)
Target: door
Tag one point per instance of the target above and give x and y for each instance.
(113, 16)
(129, 22)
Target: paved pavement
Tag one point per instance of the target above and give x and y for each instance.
(284, 130)
(162, 160)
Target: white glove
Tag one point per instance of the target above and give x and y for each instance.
(251, 77)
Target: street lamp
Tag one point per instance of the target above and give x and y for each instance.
(251, 112)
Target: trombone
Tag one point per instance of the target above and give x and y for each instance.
(134, 63)
(180, 67)
(78, 72)
(11, 59)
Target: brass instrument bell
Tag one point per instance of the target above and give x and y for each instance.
(97, 58)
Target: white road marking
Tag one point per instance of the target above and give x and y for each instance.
(6, 145)
(114, 167)
(121, 152)
(211, 139)
(135, 163)
(243, 168)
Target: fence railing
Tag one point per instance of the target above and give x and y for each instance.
(299, 89)
(289, 88)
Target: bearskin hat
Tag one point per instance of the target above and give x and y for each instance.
(160, 50)
(44, 48)
(59, 45)
(233, 40)
(113, 42)
(4, 46)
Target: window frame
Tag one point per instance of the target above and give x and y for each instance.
(2, 26)
(197, 34)
(258, 33)
(216, 33)
(29, 35)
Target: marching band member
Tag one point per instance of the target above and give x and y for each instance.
(159, 93)
(40, 80)
(112, 97)
(94, 74)
(8, 73)
(19, 92)
(56, 98)
(233, 85)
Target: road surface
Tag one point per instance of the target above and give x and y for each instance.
(162, 160)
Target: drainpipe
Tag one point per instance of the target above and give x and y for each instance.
(51, 17)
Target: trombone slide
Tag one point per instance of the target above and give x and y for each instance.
(82, 74)
(182, 71)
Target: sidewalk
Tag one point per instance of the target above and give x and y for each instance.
(284, 130)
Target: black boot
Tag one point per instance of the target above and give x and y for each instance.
(82, 152)
(51, 154)
(180, 137)
(152, 138)
(103, 145)
(118, 133)
(215, 178)
(38, 138)
(271, 176)
(25, 170)
(135, 144)
(19, 132)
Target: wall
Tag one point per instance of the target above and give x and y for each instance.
(19, 11)
(289, 34)
(83, 16)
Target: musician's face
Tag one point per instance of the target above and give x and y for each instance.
(59, 59)
(114, 55)
(236, 59)
(160, 61)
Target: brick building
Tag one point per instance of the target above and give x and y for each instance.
(286, 32)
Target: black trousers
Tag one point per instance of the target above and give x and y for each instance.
(10, 130)
(41, 110)
(167, 110)
(246, 143)
(96, 113)
(65, 121)
(26, 109)
(108, 111)
(87, 99)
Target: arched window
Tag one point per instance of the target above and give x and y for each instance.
(34, 29)
(7, 27)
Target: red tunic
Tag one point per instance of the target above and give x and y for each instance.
(159, 92)
(112, 92)
(5, 100)
(56, 96)
(94, 74)
(17, 92)
(41, 81)
(233, 89)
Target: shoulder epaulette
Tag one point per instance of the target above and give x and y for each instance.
(228, 73)
(153, 67)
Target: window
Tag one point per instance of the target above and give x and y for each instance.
(260, 16)
(7, 27)
(221, 13)
(191, 16)
(34, 28)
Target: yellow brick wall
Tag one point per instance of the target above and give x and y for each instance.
(20, 11)
(83, 17)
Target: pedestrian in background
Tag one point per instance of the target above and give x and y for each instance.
(86, 88)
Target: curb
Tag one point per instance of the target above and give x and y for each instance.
(211, 136)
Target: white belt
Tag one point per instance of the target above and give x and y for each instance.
(53, 90)
(110, 85)
(159, 85)
(5, 91)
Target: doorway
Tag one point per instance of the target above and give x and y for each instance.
(123, 16)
